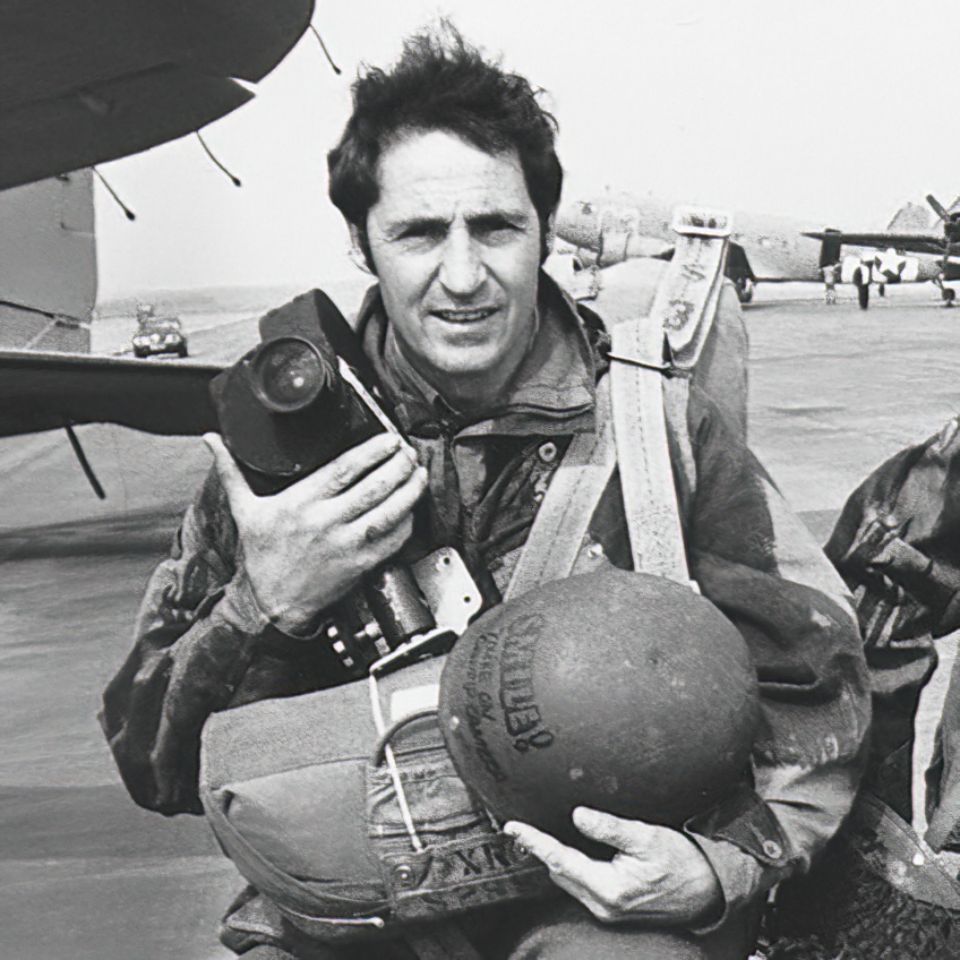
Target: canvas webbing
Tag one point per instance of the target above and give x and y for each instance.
(686, 300)
(668, 341)
(679, 320)
(640, 431)
(561, 522)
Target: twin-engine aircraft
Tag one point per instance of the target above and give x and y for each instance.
(767, 248)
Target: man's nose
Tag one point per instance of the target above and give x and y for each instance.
(462, 271)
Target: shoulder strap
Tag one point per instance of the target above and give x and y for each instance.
(686, 301)
(664, 344)
(564, 516)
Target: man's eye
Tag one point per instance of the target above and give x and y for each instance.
(423, 231)
(495, 230)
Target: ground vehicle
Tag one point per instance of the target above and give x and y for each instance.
(159, 335)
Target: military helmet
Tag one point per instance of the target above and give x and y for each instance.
(621, 691)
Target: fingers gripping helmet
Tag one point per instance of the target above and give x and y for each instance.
(621, 691)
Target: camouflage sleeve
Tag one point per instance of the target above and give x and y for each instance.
(760, 565)
(897, 543)
(201, 644)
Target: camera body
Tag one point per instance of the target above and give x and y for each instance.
(303, 396)
(287, 407)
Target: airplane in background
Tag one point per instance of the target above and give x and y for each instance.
(764, 248)
(148, 85)
(910, 232)
(88, 85)
(77, 94)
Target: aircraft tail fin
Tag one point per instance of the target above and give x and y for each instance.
(48, 253)
(910, 218)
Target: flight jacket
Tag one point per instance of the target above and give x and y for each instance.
(202, 644)
(897, 545)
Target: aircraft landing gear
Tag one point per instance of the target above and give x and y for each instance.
(947, 294)
(863, 288)
(745, 287)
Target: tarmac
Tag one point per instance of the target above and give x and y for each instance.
(84, 873)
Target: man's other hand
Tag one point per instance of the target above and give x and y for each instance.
(658, 876)
(304, 547)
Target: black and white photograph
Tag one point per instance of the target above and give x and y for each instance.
(476, 480)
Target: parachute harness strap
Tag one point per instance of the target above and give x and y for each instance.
(667, 342)
(383, 745)
(647, 354)
(391, 661)
(563, 519)
(686, 301)
(383, 741)
(646, 481)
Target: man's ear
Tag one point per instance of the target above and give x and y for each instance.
(548, 238)
(360, 250)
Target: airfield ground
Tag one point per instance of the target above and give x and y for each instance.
(86, 875)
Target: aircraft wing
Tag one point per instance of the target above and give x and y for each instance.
(84, 81)
(912, 242)
(44, 391)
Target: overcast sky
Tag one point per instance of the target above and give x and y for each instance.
(835, 111)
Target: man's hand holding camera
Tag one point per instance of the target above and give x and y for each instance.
(306, 546)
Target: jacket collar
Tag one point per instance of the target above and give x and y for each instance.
(553, 393)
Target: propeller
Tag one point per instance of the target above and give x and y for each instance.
(951, 238)
(950, 217)
(938, 207)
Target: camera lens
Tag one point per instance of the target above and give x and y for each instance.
(288, 374)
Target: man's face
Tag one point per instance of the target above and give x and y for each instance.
(455, 242)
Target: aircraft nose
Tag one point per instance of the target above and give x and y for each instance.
(564, 222)
(575, 223)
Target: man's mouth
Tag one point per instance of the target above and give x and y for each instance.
(463, 315)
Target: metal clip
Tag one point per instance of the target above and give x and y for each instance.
(701, 222)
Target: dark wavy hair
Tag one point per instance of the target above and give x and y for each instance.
(441, 82)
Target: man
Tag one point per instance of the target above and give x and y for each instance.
(447, 175)
(897, 545)
(831, 273)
